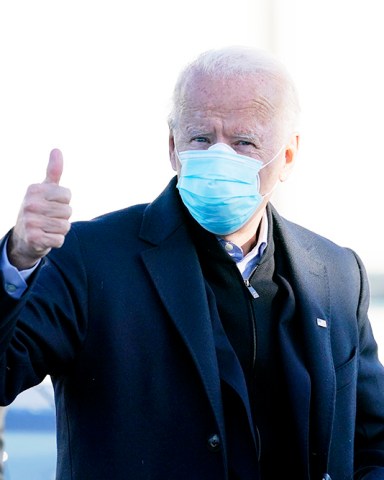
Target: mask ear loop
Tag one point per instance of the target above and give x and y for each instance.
(176, 151)
(178, 160)
(274, 158)
(271, 191)
(265, 164)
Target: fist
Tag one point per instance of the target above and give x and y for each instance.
(43, 220)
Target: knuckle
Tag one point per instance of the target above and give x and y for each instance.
(29, 224)
(68, 194)
(33, 189)
(57, 241)
(67, 227)
(60, 226)
(34, 239)
(31, 205)
(61, 240)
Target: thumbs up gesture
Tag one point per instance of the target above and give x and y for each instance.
(43, 219)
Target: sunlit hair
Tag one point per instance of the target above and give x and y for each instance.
(240, 61)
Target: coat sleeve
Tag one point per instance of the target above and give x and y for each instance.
(369, 438)
(41, 332)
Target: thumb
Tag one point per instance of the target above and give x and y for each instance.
(55, 167)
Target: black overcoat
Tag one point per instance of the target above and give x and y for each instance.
(119, 318)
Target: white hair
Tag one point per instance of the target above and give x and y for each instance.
(240, 61)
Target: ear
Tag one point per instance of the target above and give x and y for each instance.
(291, 151)
(172, 153)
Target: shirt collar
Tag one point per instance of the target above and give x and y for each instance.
(252, 257)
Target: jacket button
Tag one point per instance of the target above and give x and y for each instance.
(214, 443)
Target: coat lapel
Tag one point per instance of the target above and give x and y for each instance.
(298, 383)
(315, 380)
(173, 265)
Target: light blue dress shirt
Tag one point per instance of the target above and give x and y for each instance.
(15, 281)
(247, 263)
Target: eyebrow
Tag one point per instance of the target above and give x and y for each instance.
(246, 136)
(199, 131)
(193, 131)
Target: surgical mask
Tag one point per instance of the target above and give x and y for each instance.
(221, 188)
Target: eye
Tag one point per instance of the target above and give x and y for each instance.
(246, 147)
(245, 143)
(200, 139)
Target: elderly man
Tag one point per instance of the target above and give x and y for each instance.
(201, 336)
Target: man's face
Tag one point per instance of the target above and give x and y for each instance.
(243, 113)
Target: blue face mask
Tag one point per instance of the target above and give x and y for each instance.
(220, 187)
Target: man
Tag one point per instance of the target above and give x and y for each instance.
(201, 336)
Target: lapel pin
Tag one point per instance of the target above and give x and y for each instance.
(321, 322)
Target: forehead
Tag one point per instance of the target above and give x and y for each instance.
(253, 99)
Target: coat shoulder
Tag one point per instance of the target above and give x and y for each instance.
(309, 240)
(343, 264)
(129, 218)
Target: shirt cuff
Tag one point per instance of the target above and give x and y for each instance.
(15, 281)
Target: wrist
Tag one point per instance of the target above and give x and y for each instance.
(18, 257)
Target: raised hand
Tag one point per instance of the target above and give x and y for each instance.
(43, 219)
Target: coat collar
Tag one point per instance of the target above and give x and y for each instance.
(163, 216)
